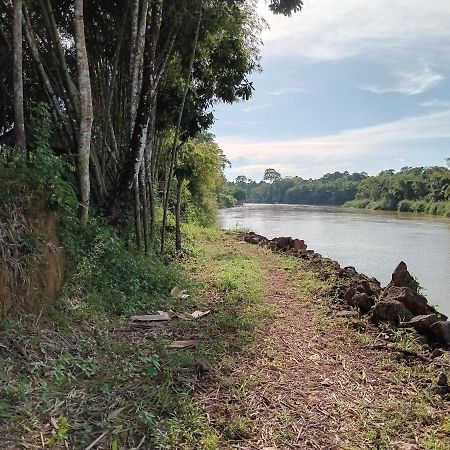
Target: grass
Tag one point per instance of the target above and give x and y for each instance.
(85, 374)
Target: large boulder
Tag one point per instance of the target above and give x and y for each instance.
(282, 243)
(371, 286)
(440, 332)
(390, 311)
(402, 278)
(422, 323)
(253, 238)
(416, 303)
(299, 245)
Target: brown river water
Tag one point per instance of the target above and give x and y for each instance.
(372, 241)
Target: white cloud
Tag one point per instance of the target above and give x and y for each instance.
(328, 30)
(284, 91)
(256, 107)
(334, 151)
(436, 104)
(409, 83)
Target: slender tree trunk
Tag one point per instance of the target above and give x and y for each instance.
(19, 121)
(137, 215)
(145, 205)
(177, 132)
(138, 34)
(86, 113)
(178, 215)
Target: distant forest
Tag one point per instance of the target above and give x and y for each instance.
(411, 189)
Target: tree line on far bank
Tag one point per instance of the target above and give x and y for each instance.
(411, 189)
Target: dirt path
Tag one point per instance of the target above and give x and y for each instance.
(315, 384)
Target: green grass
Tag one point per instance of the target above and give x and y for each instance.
(92, 375)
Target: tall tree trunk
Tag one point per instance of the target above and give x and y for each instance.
(145, 205)
(138, 34)
(19, 121)
(138, 215)
(177, 132)
(86, 113)
(178, 215)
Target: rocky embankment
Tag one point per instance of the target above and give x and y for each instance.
(397, 305)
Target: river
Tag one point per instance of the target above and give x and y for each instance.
(372, 241)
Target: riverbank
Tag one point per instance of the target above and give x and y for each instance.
(271, 365)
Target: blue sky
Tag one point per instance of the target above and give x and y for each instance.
(349, 85)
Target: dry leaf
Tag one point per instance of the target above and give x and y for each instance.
(198, 314)
(183, 344)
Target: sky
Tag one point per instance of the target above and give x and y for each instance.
(346, 85)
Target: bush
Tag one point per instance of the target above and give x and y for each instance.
(406, 206)
(107, 276)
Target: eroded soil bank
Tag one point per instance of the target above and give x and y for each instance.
(274, 365)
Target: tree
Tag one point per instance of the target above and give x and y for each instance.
(19, 121)
(86, 112)
(271, 175)
(241, 179)
(448, 162)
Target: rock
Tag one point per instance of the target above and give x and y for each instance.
(253, 238)
(358, 325)
(402, 278)
(417, 304)
(348, 314)
(351, 271)
(440, 332)
(390, 311)
(423, 322)
(362, 302)
(372, 287)
(442, 379)
(349, 293)
(441, 387)
(299, 245)
(282, 243)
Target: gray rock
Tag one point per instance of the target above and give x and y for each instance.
(442, 379)
(440, 331)
(390, 311)
(423, 322)
(417, 304)
(402, 278)
(362, 302)
(349, 293)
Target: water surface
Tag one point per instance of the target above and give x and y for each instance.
(372, 241)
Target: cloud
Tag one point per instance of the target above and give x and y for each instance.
(436, 104)
(285, 91)
(256, 107)
(409, 83)
(328, 30)
(293, 157)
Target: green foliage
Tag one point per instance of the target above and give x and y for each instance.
(108, 276)
(43, 173)
(331, 189)
(410, 190)
(416, 189)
